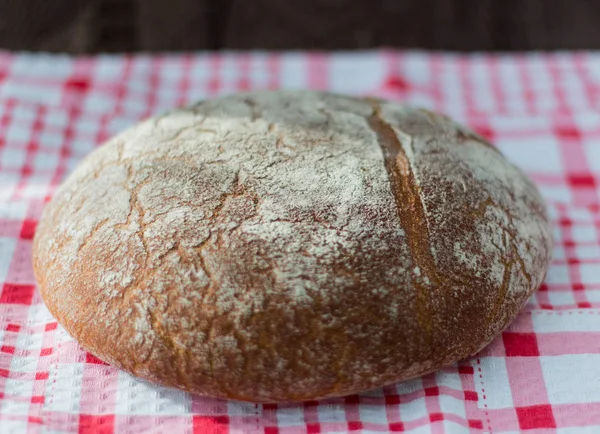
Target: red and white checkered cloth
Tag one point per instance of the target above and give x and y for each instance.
(543, 111)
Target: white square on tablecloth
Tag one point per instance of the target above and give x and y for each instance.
(81, 146)
(136, 396)
(593, 295)
(53, 139)
(455, 428)
(495, 383)
(258, 73)
(13, 426)
(579, 430)
(7, 248)
(449, 379)
(290, 416)
(42, 65)
(423, 429)
(372, 413)
(96, 101)
(36, 186)
(331, 413)
(57, 118)
(561, 298)
(592, 151)
(118, 124)
(63, 391)
(558, 274)
(572, 378)
(200, 70)
(555, 193)
(141, 66)
(8, 182)
(23, 115)
(586, 120)
(582, 233)
(451, 405)
(240, 408)
(346, 75)
(570, 321)
(32, 93)
(13, 210)
(580, 214)
(45, 161)
(520, 124)
(538, 154)
(416, 68)
(421, 99)
(229, 69)
(413, 409)
(293, 71)
(167, 98)
(87, 126)
(558, 252)
(171, 72)
(8, 406)
(18, 386)
(590, 273)
(39, 314)
(12, 157)
(108, 68)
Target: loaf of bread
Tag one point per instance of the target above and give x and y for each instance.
(290, 245)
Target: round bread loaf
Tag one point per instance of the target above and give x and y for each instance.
(290, 245)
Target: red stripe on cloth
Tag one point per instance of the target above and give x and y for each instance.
(467, 379)
(523, 362)
(211, 424)
(14, 293)
(43, 366)
(529, 96)
(244, 68)
(96, 424)
(184, 85)
(311, 416)
(561, 343)
(214, 84)
(392, 408)
(432, 403)
(207, 413)
(94, 405)
(492, 63)
(274, 70)
(580, 297)
(352, 413)
(28, 229)
(317, 71)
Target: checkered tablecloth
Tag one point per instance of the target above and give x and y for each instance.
(543, 111)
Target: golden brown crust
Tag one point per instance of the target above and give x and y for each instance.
(283, 246)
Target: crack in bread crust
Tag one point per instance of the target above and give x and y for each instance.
(412, 213)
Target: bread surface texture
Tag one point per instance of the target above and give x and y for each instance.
(290, 245)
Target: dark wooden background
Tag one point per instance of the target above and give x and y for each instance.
(89, 26)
